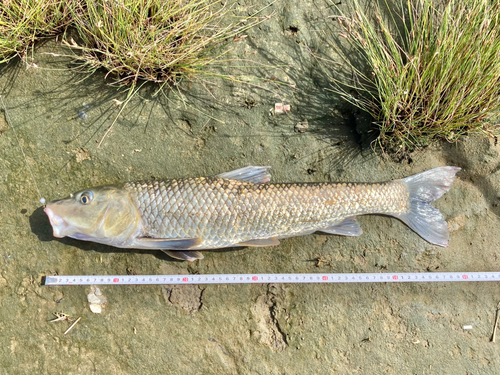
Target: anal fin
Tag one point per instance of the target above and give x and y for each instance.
(260, 242)
(347, 227)
(184, 255)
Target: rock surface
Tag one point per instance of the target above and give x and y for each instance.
(227, 329)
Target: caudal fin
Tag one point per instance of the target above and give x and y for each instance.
(423, 218)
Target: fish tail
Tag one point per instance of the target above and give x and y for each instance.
(422, 217)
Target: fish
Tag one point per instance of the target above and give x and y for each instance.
(243, 208)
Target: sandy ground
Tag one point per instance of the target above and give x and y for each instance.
(235, 329)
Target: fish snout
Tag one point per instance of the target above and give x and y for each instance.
(58, 223)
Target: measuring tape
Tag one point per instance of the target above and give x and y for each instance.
(264, 278)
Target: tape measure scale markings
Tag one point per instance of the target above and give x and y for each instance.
(271, 278)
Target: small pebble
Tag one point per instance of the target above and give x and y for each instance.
(301, 127)
(96, 299)
(95, 308)
(82, 115)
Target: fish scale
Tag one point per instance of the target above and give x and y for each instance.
(226, 212)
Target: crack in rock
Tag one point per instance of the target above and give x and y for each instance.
(268, 330)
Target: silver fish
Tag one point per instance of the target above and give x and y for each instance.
(241, 208)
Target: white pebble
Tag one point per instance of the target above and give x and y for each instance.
(96, 299)
(92, 298)
(95, 308)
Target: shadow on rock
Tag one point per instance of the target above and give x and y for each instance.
(300, 72)
(40, 225)
(346, 131)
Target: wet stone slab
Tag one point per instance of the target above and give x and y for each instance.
(228, 329)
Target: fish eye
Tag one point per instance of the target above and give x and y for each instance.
(86, 197)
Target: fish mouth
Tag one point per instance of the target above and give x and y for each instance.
(59, 226)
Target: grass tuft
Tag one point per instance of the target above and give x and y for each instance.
(433, 69)
(154, 40)
(149, 40)
(22, 22)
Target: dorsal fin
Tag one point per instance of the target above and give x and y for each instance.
(255, 175)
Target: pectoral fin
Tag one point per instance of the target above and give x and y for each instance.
(261, 242)
(348, 227)
(166, 243)
(184, 255)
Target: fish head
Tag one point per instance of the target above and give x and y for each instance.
(103, 214)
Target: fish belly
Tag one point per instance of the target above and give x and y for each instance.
(226, 213)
